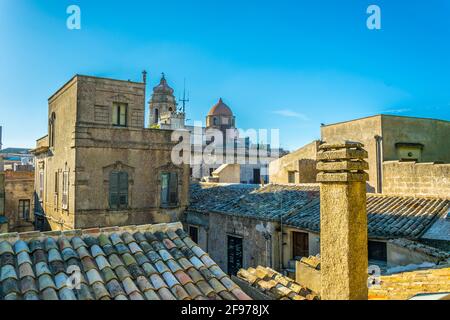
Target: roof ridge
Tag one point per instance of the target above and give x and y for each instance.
(32, 235)
(393, 195)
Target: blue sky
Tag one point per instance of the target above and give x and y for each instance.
(286, 64)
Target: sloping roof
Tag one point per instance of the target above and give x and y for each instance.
(154, 262)
(275, 285)
(404, 286)
(23, 151)
(299, 205)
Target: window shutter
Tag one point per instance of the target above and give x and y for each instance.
(65, 195)
(115, 119)
(173, 189)
(113, 190)
(165, 188)
(123, 189)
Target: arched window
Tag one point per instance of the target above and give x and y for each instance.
(51, 130)
(215, 121)
(156, 116)
(118, 190)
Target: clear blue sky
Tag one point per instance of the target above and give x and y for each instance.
(280, 64)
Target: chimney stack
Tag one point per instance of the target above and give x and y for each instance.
(343, 221)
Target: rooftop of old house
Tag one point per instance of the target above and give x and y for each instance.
(406, 285)
(399, 286)
(274, 285)
(389, 216)
(149, 262)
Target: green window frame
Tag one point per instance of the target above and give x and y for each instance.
(169, 189)
(120, 115)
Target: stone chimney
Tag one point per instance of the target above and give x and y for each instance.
(343, 221)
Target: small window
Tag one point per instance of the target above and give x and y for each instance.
(118, 190)
(211, 170)
(24, 209)
(65, 191)
(291, 177)
(193, 233)
(377, 251)
(169, 189)
(51, 129)
(156, 120)
(120, 115)
(215, 121)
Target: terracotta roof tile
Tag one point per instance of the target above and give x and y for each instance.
(275, 285)
(152, 263)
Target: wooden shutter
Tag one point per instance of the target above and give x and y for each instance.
(123, 189)
(173, 189)
(114, 190)
(165, 177)
(65, 192)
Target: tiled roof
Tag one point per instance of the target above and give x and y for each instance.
(275, 285)
(152, 262)
(421, 248)
(388, 216)
(404, 286)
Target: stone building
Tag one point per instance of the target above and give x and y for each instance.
(244, 226)
(99, 166)
(19, 200)
(165, 114)
(296, 167)
(394, 138)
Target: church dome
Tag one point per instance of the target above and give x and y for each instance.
(163, 87)
(220, 109)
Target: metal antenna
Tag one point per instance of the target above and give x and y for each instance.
(184, 100)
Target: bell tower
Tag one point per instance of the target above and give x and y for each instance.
(163, 103)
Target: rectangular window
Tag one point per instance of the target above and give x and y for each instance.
(120, 115)
(291, 177)
(193, 233)
(300, 245)
(118, 190)
(169, 189)
(65, 191)
(235, 254)
(377, 251)
(24, 209)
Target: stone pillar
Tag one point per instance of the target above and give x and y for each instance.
(343, 221)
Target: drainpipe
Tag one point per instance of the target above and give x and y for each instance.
(379, 161)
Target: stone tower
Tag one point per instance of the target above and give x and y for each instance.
(163, 103)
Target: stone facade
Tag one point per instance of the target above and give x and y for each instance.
(19, 200)
(390, 138)
(96, 133)
(296, 167)
(416, 179)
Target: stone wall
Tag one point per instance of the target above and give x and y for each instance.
(19, 186)
(256, 249)
(228, 173)
(360, 130)
(302, 162)
(416, 179)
